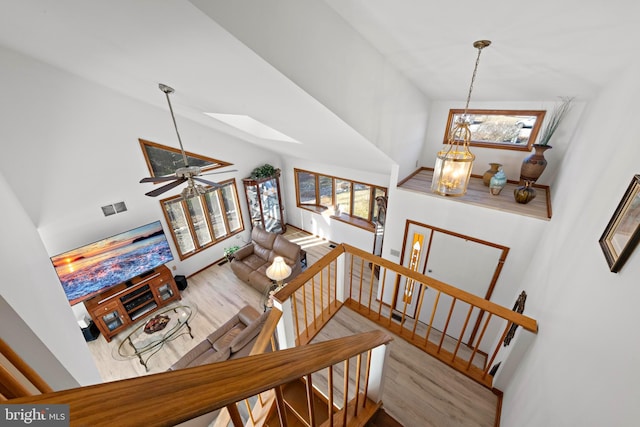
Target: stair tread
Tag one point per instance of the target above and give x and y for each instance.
(383, 419)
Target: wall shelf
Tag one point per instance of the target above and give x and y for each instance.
(478, 194)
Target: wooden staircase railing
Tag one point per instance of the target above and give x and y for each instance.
(18, 379)
(345, 276)
(173, 397)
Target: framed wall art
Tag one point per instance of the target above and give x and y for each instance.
(623, 231)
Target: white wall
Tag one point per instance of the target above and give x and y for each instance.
(315, 48)
(28, 287)
(69, 147)
(582, 369)
(510, 159)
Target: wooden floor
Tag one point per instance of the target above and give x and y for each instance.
(419, 390)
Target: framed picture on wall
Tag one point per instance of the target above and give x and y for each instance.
(623, 231)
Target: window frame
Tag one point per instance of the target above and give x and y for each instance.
(501, 145)
(207, 216)
(347, 217)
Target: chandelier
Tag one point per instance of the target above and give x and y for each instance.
(454, 162)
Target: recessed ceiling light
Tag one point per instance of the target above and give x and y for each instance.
(252, 126)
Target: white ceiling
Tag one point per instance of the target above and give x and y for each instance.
(540, 50)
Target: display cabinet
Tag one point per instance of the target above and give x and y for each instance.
(265, 204)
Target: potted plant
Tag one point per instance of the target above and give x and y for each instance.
(534, 164)
(228, 252)
(264, 171)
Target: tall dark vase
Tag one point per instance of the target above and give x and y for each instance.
(534, 164)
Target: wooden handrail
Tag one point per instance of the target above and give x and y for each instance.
(519, 319)
(172, 397)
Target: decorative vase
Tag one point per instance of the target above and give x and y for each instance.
(497, 183)
(524, 193)
(486, 177)
(534, 164)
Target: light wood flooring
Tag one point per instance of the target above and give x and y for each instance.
(419, 390)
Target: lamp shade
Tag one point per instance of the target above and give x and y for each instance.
(279, 270)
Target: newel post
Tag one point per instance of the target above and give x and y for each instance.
(286, 328)
(379, 359)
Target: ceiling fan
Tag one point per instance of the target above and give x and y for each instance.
(188, 174)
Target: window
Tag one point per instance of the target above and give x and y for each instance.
(163, 160)
(202, 221)
(356, 199)
(504, 129)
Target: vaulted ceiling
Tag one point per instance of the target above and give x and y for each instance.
(541, 50)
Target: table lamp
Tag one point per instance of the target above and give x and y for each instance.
(278, 271)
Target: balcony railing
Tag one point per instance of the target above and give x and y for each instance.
(370, 285)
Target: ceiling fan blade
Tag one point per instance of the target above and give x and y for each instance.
(158, 179)
(204, 181)
(217, 172)
(167, 187)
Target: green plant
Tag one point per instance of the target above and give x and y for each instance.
(264, 171)
(556, 117)
(228, 252)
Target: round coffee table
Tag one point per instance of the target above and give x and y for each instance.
(149, 336)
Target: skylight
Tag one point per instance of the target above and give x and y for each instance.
(252, 126)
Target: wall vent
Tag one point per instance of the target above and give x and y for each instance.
(115, 208)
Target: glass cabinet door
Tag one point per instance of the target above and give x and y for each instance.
(263, 199)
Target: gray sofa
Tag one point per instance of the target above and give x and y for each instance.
(250, 263)
(235, 338)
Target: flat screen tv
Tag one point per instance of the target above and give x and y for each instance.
(91, 269)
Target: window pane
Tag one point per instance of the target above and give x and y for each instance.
(215, 214)
(229, 196)
(326, 190)
(343, 195)
(270, 206)
(199, 221)
(307, 188)
(180, 226)
(361, 200)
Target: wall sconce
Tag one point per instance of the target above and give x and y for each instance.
(454, 162)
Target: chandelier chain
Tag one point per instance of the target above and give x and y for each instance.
(473, 77)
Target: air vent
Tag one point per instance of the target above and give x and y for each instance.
(114, 208)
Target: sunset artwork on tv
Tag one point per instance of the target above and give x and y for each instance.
(93, 268)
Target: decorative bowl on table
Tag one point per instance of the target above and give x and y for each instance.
(156, 324)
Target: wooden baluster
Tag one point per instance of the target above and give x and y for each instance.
(446, 325)
(351, 276)
(423, 290)
(321, 296)
(495, 353)
(357, 389)
(371, 287)
(304, 309)
(282, 410)
(366, 379)
(250, 411)
(313, 302)
(477, 346)
(466, 322)
(433, 315)
(295, 317)
(312, 414)
(361, 280)
(346, 392)
(330, 395)
(384, 278)
(236, 419)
